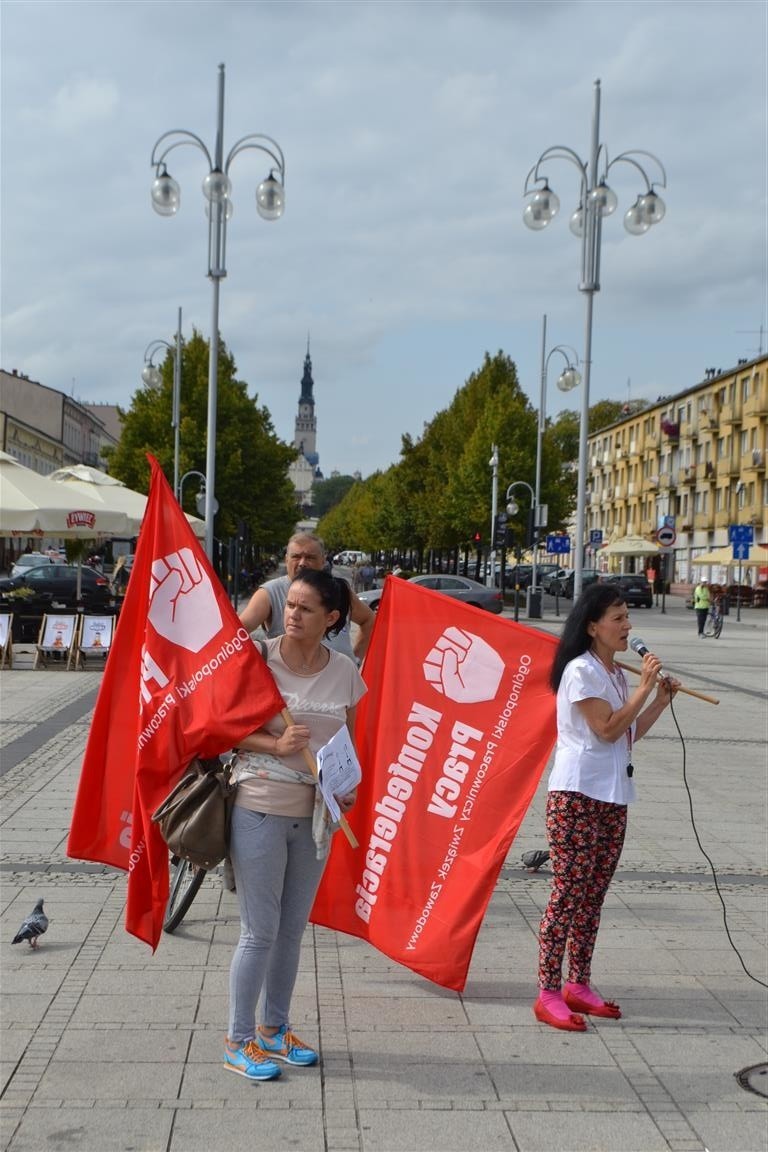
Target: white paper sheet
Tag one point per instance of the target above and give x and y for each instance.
(338, 769)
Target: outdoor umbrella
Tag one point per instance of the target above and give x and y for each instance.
(629, 546)
(34, 505)
(112, 493)
(758, 557)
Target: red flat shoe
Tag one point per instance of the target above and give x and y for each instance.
(572, 1024)
(608, 1009)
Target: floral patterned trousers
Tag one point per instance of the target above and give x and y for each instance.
(585, 841)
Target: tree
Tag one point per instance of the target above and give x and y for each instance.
(252, 485)
(327, 493)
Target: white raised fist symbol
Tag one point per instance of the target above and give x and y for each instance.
(183, 604)
(464, 667)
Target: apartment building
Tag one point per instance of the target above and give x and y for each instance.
(698, 457)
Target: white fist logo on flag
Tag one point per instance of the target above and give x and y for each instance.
(464, 667)
(183, 605)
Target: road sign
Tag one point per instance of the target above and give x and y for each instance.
(558, 544)
(740, 550)
(666, 536)
(741, 534)
(596, 537)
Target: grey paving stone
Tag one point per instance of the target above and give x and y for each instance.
(92, 1130)
(409, 1131)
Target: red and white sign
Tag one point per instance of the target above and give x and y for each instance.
(183, 678)
(666, 536)
(453, 736)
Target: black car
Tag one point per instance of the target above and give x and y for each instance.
(588, 576)
(58, 583)
(635, 589)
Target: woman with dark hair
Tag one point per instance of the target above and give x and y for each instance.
(598, 722)
(280, 834)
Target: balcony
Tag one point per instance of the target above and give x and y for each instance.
(671, 430)
(651, 441)
(619, 494)
(730, 414)
(689, 430)
(652, 482)
(753, 461)
(729, 466)
(708, 420)
(702, 520)
(710, 472)
(722, 518)
(667, 481)
(686, 476)
(757, 403)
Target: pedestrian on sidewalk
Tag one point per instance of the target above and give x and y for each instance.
(279, 836)
(701, 604)
(590, 787)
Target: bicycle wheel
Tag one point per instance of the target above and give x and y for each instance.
(718, 627)
(185, 884)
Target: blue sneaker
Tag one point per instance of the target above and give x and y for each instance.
(248, 1060)
(284, 1045)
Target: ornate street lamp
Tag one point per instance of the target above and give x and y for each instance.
(152, 377)
(270, 203)
(596, 200)
(568, 379)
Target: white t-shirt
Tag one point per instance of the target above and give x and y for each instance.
(583, 762)
(320, 702)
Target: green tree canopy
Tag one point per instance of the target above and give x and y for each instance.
(252, 485)
(327, 493)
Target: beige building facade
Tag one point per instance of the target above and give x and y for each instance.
(697, 458)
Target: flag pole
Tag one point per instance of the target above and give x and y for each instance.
(688, 691)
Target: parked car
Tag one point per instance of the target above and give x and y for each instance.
(459, 587)
(349, 557)
(635, 589)
(58, 583)
(552, 582)
(588, 576)
(29, 560)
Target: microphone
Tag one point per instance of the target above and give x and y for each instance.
(640, 646)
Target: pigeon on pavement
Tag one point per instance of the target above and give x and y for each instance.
(34, 925)
(533, 860)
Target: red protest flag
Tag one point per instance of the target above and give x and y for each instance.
(183, 679)
(453, 736)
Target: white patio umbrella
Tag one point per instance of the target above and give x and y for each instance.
(34, 505)
(112, 493)
(630, 546)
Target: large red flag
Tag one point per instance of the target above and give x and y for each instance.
(183, 678)
(453, 736)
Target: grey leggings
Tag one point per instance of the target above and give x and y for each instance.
(277, 874)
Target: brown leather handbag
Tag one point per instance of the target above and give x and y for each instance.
(194, 818)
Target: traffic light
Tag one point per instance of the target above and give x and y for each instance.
(478, 536)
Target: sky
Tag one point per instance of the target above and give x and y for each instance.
(408, 130)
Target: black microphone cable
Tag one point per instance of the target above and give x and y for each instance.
(704, 853)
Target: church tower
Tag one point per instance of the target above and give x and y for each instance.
(305, 432)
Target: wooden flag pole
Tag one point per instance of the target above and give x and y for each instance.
(309, 760)
(688, 691)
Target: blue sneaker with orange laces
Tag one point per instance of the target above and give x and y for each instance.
(286, 1046)
(249, 1060)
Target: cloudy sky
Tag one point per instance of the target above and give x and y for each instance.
(408, 129)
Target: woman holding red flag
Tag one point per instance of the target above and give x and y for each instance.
(590, 787)
(279, 835)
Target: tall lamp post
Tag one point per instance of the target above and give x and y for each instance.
(151, 376)
(270, 202)
(597, 200)
(568, 379)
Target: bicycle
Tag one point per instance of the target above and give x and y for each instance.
(713, 625)
(185, 883)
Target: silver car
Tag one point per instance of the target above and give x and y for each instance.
(459, 587)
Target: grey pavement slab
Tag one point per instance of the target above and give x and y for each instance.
(107, 1047)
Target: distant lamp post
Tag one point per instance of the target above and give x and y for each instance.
(493, 463)
(512, 509)
(597, 200)
(270, 202)
(152, 377)
(202, 492)
(568, 379)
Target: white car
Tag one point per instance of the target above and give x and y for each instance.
(29, 560)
